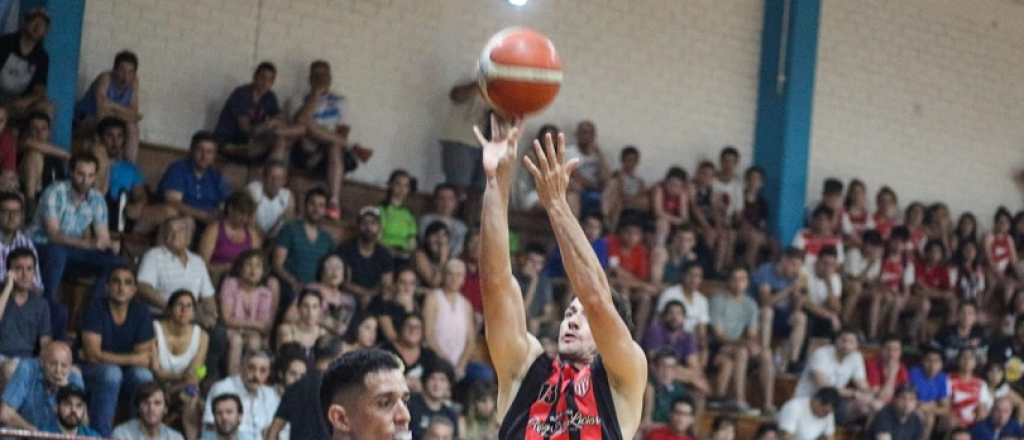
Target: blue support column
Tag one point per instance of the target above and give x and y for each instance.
(789, 48)
(63, 42)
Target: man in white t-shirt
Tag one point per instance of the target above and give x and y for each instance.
(811, 417)
(728, 184)
(686, 292)
(274, 202)
(824, 290)
(259, 401)
(838, 365)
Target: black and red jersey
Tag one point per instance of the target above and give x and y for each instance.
(557, 401)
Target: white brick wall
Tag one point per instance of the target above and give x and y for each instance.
(677, 78)
(924, 95)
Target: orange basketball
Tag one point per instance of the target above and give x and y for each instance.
(520, 72)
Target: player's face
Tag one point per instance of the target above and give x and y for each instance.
(152, 409)
(575, 342)
(379, 412)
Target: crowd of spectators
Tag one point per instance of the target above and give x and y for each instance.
(223, 327)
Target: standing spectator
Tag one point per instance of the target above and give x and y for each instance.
(25, 65)
(223, 241)
(460, 153)
(397, 222)
(536, 287)
(322, 114)
(170, 267)
(228, 414)
(117, 338)
(734, 329)
(448, 319)
(114, 94)
(1000, 423)
(681, 419)
(446, 202)
(248, 303)
(275, 203)
(591, 175)
(12, 217)
(432, 402)
(810, 417)
(29, 399)
(370, 263)
(294, 407)
(151, 405)
(192, 186)
(24, 315)
(70, 418)
(251, 124)
(932, 391)
(626, 192)
(40, 162)
(301, 245)
(258, 402)
(69, 211)
(898, 420)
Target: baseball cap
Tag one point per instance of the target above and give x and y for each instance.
(369, 210)
(38, 12)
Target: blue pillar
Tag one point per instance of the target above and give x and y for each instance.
(63, 42)
(784, 102)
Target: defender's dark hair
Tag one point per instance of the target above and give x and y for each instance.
(348, 373)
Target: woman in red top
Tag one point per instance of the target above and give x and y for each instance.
(932, 278)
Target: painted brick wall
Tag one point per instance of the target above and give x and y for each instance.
(676, 78)
(926, 96)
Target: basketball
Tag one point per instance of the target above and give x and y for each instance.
(519, 72)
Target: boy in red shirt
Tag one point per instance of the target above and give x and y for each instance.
(629, 271)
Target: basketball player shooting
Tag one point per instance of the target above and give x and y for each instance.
(593, 389)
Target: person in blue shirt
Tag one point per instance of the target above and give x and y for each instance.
(251, 125)
(776, 288)
(30, 396)
(191, 186)
(593, 227)
(70, 418)
(999, 424)
(932, 390)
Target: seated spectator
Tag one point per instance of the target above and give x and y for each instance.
(1008, 326)
(970, 400)
(410, 347)
(695, 303)
(536, 287)
(151, 406)
(40, 162)
(999, 424)
(12, 235)
(734, 330)
(886, 373)
(669, 262)
(673, 204)
(432, 254)
(339, 305)
(629, 272)
(305, 331)
(932, 279)
(779, 288)
(892, 293)
(26, 65)
(669, 334)
(289, 367)
(321, 113)
(913, 220)
(995, 379)
(711, 215)
(968, 274)
(1003, 265)
(397, 223)
(810, 417)
(114, 93)
(170, 267)
(275, 203)
(480, 417)
(256, 407)
(294, 408)
(471, 288)
(723, 427)
(838, 366)
(24, 315)
(117, 178)
(823, 302)
(448, 319)
(898, 420)
(8, 154)
(432, 402)
(752, 219)
(446, 202)
(395, 305)
(248, 304)
(591, 175)
(70, 232)
(369, 261)
(963, 334)
(963, 434)
(626, 192)
(887, 211)
(681, 418)
(117, 339)
(767, 431)
(228, 414)
(192, 186)
(70, 418)
(251, 125)
(856, 219)
(593, 227)
(29, 398)
(439, 428)
(362, 334)
(932, 386)
(523, 196)
(966, 230)
(861, 272)
(224, 241)
(178, 355)
(665, 386)
(301, 245)
(819, 236)
(940, 225)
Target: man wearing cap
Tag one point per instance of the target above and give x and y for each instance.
(302, 243)
(24, 65)
(898, 420)
(29, 398)
(70, 418)
(370, 263)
